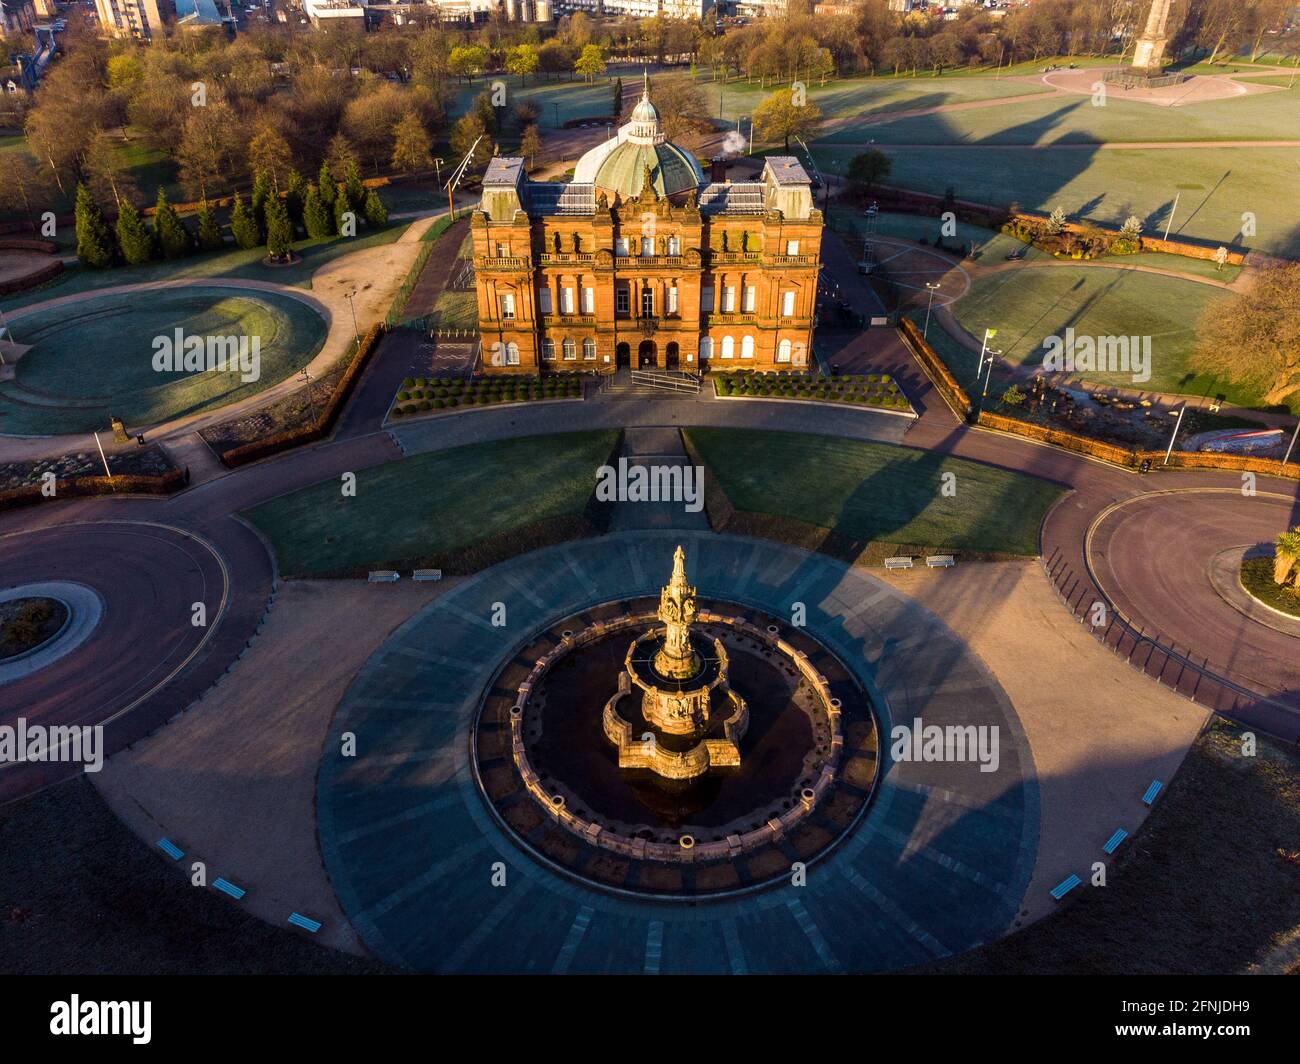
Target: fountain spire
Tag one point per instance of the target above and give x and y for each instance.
(677, 659)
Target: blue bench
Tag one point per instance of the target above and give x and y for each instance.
(1065, 886)
(1112, 844)
(227, 887)
(171, 849)
(1152, 791)
(305, 922)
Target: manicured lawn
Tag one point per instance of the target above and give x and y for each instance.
(1257, 579)
(1027, 305)
(876, 492)
(432, 503)
(974, 153)
(95, 358)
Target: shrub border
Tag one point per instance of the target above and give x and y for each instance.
(320, 428)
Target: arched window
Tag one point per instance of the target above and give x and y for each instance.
(512, 354)
(647, 247)
(570, 350)
(589, 349)
(548, 350)
(746, 347)
(706, 347)
(783, 351)
(728, 347)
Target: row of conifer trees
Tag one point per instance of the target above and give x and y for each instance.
(273, 216)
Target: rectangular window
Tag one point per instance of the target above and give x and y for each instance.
(620, 246)
(548, 350)
(566, 300)
(544, 298)
(750, 299)
(787, 304)
(647, 303)
(620, 299)
(508, 306)
(706, 298)
(672, 300)
(647, 247)
(501, 251)
(729, 299)
(792, 247)
(589, 301)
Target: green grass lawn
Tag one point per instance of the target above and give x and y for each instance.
(433, 503)
(973, 152)
(95, 358)
(1029, 304)
(876, 492)
(1257, 579)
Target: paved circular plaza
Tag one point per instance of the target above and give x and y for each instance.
(938, 864)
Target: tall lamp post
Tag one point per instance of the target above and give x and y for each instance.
(933, 287)
(988, 376)
(988, 335)
(353, 307)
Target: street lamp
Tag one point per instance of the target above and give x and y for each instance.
(307, 379)
(988, 377)
(988, 335)
(353, 307)
(933, 287)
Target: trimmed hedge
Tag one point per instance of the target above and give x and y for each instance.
(872, 390)
(421, 395)
(1131, 459)
(313, 430)
(30, 494)
(45, 274)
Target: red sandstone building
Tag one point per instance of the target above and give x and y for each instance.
(639, 261)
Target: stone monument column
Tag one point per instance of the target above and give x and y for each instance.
(1149, 54)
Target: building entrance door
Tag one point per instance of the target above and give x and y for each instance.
(646, 353)
(623, 355)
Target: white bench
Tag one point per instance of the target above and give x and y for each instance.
(426, 574)
(898, 563)
(384, 576)
(940, 561)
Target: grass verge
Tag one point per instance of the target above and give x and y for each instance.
(1257, 579)
(1209, 885)
(860, 501)
(458, 510)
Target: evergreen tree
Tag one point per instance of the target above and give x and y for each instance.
(261, 196)
(95, 245)
(279, 229)
(356, 191)
(327, 187)
(133, 236)
(342, 208)
(296, 197)
(317, 217)
(210, 236)
(243, 225)
(376, 212)
(173, 238)
(618, 97)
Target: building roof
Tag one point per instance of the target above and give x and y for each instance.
(553, 198)
(743, 197)
(672, 169)
(787, 170)
(619, 165)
